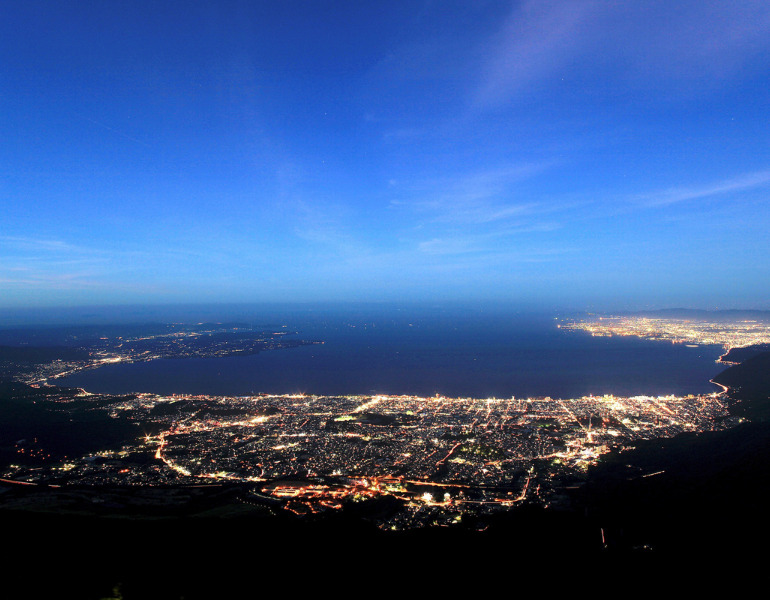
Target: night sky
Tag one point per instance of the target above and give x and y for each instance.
(546, 153)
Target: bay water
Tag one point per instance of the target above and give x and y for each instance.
(422, 352)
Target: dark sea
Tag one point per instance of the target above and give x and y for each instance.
(456, 353)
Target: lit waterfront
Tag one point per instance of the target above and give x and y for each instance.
(731, 334)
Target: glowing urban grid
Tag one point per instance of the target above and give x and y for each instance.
(441, 457)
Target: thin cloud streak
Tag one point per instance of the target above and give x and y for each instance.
(737, 184)
(48, 263)
(64, 281)
(38, 244)
(475, 199)
(489, 243)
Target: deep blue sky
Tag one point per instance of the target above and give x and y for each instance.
(574, 153)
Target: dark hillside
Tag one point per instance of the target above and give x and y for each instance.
(739, 355)
(749, 384)
(704, 494)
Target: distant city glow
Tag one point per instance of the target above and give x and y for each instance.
(679, 331)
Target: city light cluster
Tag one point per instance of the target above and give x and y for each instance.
(440, 458)
(732, 334)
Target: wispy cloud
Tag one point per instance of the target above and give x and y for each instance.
(324, 224)
(647, 43)
(492, 241)
(40, 244)
(56, 281)
(536, 40)
(474, 199)
(485, 217)
(49, 263)
(682, 194)
(116, 132)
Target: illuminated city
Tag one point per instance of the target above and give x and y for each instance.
(728, 334)
(440, 458)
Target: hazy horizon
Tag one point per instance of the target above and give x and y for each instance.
(54, 316)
